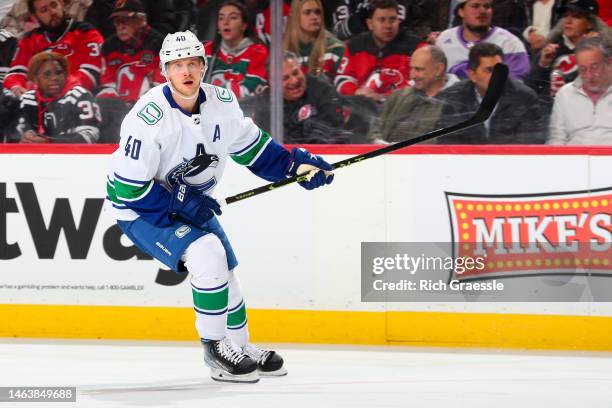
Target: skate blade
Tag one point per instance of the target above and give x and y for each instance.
(277, 373)
(218, 374)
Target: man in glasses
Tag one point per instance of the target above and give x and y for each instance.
(131, 54)
(582, 112)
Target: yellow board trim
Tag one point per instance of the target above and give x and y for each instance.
(552, 332)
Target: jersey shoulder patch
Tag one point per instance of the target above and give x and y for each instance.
(224, 94)
(151, 113)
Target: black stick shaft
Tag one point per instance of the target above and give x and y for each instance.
(489, 101)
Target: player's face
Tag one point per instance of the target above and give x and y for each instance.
(126, 27)
(575, 25)
(230, 24)
(311, 18)
(49, 13)
(384, 25)
(294, 81)
(424, 71)
(185, 74)
(477, 15)
(482, 75)
(50, 79)
(594, 70)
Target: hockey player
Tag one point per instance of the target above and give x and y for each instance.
(58, 110)
(174, 145)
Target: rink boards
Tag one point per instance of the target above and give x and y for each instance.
(67, 273)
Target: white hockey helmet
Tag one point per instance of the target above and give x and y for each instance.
(182, 44)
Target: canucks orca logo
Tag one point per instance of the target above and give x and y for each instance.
(198, 172)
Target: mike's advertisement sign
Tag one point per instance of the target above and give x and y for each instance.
(544, 234)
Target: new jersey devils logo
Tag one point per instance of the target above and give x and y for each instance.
(566, 64)
(305, 112)
(385, 80)
(61, 48)
(198, 172)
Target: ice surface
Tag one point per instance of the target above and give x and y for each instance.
(161, 374)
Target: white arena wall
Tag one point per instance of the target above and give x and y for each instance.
(61, 272)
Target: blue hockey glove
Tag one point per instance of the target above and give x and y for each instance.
(318, 172)
(192, 206)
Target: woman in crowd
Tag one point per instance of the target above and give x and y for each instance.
(319, 51)
(555, 65)
(235, 60)
(58, 110)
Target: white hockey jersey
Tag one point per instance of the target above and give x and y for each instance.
(457, 50)
(162, 145)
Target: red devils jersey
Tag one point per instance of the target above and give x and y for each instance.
(244, 72)
(130, 71)
(263, 19)
(384, 70)
(81, 44)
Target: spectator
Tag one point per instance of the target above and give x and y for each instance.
(19, 19)
(162, 15)
(517, 118)
(263, 17)
(206, 19)
(542, 16)
(582, 113)
(131, 55)
(9, 104)
(476, 16)
(434, 17)
(348, 17)
(312, 109)
(131, 65)
(79, 42)
(555, 65)
(377, 62)
(8, 45)
(510, 14)
(58, 110)
(605, 11)
(185, 13)
(319, 51)
(5, 6)
(235, 60)
(413, 111)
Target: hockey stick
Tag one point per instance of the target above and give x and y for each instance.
(489, 101)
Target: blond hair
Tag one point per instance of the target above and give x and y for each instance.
(293, 37)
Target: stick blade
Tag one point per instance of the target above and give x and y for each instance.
(496, 87)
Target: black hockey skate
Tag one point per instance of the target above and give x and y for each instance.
(228, 363)
(269, 363)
